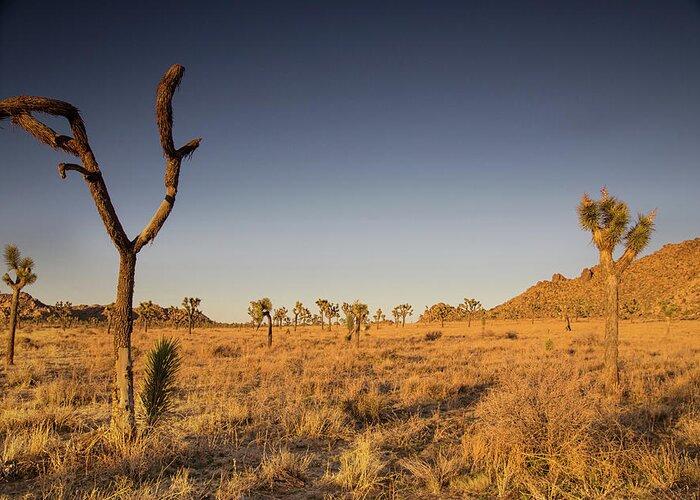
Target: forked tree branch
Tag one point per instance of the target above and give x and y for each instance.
(164, 113)
(20, 109)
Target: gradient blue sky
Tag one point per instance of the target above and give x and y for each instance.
(387, 151)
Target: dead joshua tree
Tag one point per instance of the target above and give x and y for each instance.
(607, 219)
(20, 109)
(22, 269)
(190, 311)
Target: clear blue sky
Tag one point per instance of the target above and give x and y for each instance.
(387, 151)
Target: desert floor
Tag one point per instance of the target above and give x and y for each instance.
(515, 410)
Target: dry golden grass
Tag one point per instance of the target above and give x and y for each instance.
(516, 412)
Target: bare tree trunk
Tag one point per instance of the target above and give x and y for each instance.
(123, 417)
(10, 354)
(269, 330)
(611, 369)
(567, 318)
(469, 321)
(109, 326)
(189, 324)
(296, 318)
(330, 322)
(321, 320)
(403, 321)
(357, 333)
(442, 323)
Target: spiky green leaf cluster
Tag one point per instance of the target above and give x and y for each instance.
(607, 219)
(163, 363)
(20, 266)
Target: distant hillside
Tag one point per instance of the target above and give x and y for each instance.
(31, 308)
(671, 273)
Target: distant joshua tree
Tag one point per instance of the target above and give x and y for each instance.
(668, 309)
(607, 219)
(109, 314)
(64, 311)
(396, 314)
(631, 309)
(378, 317)
(21, 267)
(358, 314)
(20, 109)
(322, 308)
(280, 315)
(298, 310)
(260, 309)
(403, 310)
(148, 311)
(470, 306)
(305, 316)
(190, 311)
(442, 312)
(332, 311)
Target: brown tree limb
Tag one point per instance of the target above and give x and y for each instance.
(164, 114)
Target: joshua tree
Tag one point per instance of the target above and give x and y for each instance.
(442, 311)
(260, 309)
(64, 311)
(396, 314)
(298, 310)
(322, 308)
(305, 316)
(21, 267)
(280, 315)
(608, 219)
(332, 311)
(20, 109)
(669, 309)
(109, 314)
(403, 310)
(189, 306)
(631, 309)
(147, 311)
(378, 317)
(470, 306)
(358, 313)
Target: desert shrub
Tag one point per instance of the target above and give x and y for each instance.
(360, 467)
(511, 335)
(437, 473)
(538, 422)
(283, 468)
(225, 351)
(434, 335)
(367, 407)
(549, 345)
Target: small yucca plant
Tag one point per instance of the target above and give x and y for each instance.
(162, 365)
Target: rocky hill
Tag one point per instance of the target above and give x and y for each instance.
(670, 274)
